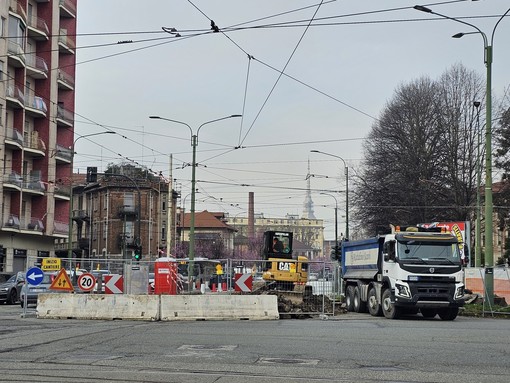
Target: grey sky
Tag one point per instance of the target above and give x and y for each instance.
(341, 76)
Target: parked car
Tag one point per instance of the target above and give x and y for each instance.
(32, 292)
(10, 289)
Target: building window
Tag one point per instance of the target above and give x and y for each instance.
(105, 201)
(105, 228)
(94, 231)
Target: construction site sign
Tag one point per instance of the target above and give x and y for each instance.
(62, 282)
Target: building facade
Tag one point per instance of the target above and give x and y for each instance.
(117, 214)
(37, 96)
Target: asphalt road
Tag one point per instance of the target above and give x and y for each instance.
(350, 348)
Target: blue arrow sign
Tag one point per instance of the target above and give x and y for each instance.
(34, 276)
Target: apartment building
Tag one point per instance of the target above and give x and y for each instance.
(117, 214)
(37, 96)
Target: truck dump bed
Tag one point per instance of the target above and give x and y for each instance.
(361, 259)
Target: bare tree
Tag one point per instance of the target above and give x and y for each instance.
(419, 158)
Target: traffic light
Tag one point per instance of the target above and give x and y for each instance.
(91, 174)
(336, 253)
(138, 253)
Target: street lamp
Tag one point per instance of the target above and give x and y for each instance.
(346, 189)
(478, 235)
(336, 220)
(194, 144)
(489, 250)
(70, 231)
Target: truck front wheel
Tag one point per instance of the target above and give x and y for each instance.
(449, 313)
(349, 298)
(388, 308)
(374, 307)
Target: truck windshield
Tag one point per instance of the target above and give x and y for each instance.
(428, 250)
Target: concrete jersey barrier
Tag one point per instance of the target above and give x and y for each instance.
(98, 306)
(219, 307)
(157, 307)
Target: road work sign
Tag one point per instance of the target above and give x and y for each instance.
(51, 264)
(62, 282)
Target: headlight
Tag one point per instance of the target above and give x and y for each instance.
(459, 293)
(402, 290)
(3, 289)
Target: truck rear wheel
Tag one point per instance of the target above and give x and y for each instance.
(359, 305)
(388, 307)
(374, 307)
(449, 313)
(349, 298)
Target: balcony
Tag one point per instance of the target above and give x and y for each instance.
(64, 117)
(63, 154)
(36, 67)
(60, 228)
(38, 29)
(35, 106)
(15, 97)
(81, 215)
(12, 222)
(13, 181)
(62, 192)
(16, 8)
(33, 185)
(14, 138)
(34, 146)
(33, 225)
(65, 44)
(65, 81)
(16, 54)
(67, 9)
(127, 210)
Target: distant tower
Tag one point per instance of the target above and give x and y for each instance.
(308, 204)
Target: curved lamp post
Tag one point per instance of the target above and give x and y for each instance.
(346, 169)
(194, 144)
(489, 247)
(70, 233)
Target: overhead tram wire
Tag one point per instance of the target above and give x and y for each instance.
(173, 39)
(281, 73)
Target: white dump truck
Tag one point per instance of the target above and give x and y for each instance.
(408, 271)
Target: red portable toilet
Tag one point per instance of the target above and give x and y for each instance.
(165, 276)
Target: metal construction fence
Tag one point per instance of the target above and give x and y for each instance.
(319, 296)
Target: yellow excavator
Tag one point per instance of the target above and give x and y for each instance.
(283, 271)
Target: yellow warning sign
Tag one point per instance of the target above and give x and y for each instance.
(51, 264)
(62, 282)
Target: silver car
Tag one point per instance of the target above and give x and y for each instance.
(10, 289)
(32, 292)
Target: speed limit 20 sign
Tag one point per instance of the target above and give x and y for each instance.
(87, 282)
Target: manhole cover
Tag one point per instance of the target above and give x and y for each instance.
(289, 361)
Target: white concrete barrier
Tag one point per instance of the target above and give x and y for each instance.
(98, 306)
(157, 307)
(219, 307)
